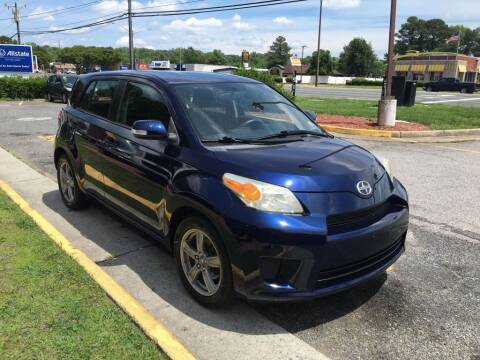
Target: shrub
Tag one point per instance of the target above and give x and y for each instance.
(14, 87)
(364, 82)
(265, 78)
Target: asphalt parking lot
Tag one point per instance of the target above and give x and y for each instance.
(446, 98)
(425, 307)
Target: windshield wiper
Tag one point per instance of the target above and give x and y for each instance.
(259, 104)
(230, 140)
(286, 133)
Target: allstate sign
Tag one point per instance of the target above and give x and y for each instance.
(16, 58)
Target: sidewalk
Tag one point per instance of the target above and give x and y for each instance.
(148, 273)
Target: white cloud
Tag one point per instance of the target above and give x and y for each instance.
(138, 42)
(111, 6)
(193, 24)
(342, 4)
(282, 20)
(161, 5)
(46, 17)
(239, 24)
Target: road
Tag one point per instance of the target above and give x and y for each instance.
(446, 98)
(426, 307)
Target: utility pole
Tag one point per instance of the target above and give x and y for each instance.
(303, 48)
(130, 36)
(387, 107)
(318, 43)
(391, 45)
(16, 18)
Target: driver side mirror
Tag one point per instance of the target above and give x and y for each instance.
(312, 115)
(149, 129)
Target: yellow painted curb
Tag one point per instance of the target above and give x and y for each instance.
(151, 326)
(351, 131)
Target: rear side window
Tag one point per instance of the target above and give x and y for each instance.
(143, 102)
(99, 96)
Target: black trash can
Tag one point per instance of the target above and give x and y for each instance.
(410, 93)
(398, 89)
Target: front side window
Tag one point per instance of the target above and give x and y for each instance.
(240, 110)
(143, 102)
(98, 98)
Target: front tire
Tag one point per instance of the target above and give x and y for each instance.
(202, 262)
(429, 89)
(65, 98)
(71, 194)
(49, 97)
(464, 91)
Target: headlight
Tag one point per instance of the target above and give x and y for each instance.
(386, 165)
(263, 196)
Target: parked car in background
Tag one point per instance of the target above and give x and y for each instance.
(247, 191)
(451, 84)
(59, 87)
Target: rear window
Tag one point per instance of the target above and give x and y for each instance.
(99, 96)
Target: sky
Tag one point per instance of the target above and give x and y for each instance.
(232, 31)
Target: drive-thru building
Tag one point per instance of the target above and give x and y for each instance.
(433, 66)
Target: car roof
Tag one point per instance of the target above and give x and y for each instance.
(176, 77)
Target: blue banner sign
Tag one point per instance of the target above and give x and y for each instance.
(16, 58)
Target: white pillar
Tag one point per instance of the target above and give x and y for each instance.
(387, 112)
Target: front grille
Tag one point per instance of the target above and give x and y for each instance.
(357, 219)
(327, 277)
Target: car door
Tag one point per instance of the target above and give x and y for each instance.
(88, 121)
(137, 171)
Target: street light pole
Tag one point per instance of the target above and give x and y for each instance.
(130, 35)
(303, 48)
(387, 107)
(318, 42)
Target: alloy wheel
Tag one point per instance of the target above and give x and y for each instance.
(67, 182)
(200, 261)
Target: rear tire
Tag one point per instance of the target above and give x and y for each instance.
(429, 89)
(202, 263)
(49, 97)
(65, 99)
(464, 91)
(70, 192)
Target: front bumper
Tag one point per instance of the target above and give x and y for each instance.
(285, 258)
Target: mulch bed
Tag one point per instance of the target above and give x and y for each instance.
(366, 123)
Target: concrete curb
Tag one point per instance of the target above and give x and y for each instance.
(402, 134)
(151, 326)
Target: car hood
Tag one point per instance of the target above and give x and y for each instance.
(312, 165)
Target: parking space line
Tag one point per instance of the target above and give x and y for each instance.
(48, 138)
(452, 100)
(149, 324)
(459, 149)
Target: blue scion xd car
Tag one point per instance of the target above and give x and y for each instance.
(251, 196)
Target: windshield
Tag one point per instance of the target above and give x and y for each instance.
(240, 111)
(69, 80)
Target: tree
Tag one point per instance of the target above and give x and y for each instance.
(44, 58)
(421, 35)
(85, 58)
(279, 53)
(216, 57)
(326, 63)
(357, 58)
(7, 40)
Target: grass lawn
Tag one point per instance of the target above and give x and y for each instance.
(438, 117)
(50, 308)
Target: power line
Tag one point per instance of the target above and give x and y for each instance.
(222, 8)
(56, 11)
